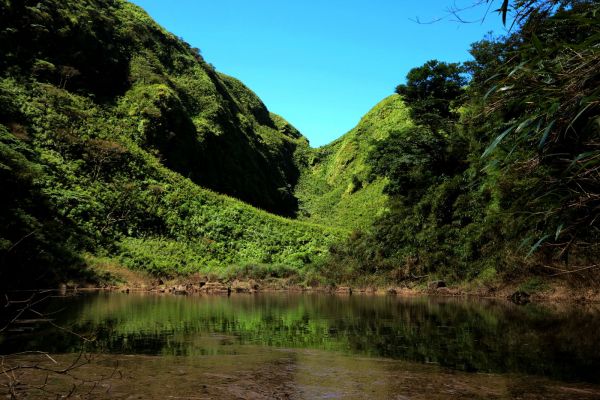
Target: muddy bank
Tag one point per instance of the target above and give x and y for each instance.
(520, 291)
(261, 373)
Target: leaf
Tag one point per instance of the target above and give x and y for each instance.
(579, 157)
(518, 68)
(505, 88)
(489, 92)
(504, 10)
(537, 245)
(579, 115)
(538, 45)
(495, 143)
(523, 125)
(491, 78)
(558, 230)
(523, 243)
(546, 134)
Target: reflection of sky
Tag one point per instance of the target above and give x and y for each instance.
(322, 64)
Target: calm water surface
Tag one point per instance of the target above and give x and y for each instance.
(324, 346)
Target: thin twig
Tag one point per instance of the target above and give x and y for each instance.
(577, 270)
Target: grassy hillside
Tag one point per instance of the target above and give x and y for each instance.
(202, 124)
(336, 187)
(110, 128)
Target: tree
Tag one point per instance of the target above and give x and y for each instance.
(433, 91)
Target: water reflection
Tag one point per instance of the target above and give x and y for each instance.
(472, 336)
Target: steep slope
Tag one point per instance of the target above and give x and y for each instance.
(202, 124)
(108, 127)
(335, 188)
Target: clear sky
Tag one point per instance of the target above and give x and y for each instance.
(322, 64)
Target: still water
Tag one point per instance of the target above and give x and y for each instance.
(277, 345)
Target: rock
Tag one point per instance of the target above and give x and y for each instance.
(241, 287)
(179, 289)
(520, 297)
(436, 284)
(391, 291)
(444, 291)
(254, 285)
(197, 278)
(344, 290)
(62, 289)
(215, 288)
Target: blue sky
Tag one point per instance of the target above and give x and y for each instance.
(322, 64)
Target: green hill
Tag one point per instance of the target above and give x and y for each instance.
(205, 125)
(335, 188)
(111, 129)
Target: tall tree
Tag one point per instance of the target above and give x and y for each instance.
(432, 92)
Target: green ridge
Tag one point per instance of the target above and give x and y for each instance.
(336, 187)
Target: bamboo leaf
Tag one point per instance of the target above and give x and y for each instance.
(495, 143)
(523, 125)
(517, 68)
(579, 157)
(546, 134)
(489, 92)
(558, 230)
(579, 115)
(524, 243)
(537, 245)
(538, 45)
(504, 11)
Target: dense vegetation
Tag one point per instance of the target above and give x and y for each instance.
(120, 145)
(337, 186)
(500, 176)
(108, 126)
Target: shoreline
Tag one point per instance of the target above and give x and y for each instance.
(552, 292)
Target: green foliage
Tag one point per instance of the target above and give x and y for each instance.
(38, 246)
(414, 159)
(109, 124)
(528, 11)
(547, 98)
(204, 125)
(514, 182)
(105, 179)
(432, 92)
(336, 186)
(116, 131)
(533, 285)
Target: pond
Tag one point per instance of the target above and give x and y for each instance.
(304, 346)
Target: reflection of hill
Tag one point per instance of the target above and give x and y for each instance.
(464, 335)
